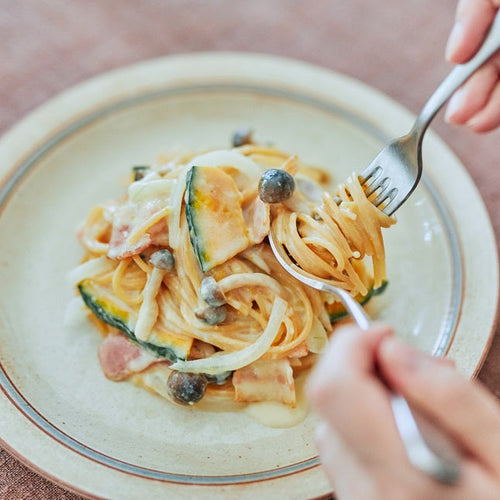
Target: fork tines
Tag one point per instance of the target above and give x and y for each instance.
(377, 187)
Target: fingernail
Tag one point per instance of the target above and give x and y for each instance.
(455, 103)
(454, 40)
(404, 356)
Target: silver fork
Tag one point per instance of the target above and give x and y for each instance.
(394, 173)
(426, 447)
(389, 180)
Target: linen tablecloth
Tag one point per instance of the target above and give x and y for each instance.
(395, 46)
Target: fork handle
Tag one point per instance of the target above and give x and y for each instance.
(428, 449)
(457, 77)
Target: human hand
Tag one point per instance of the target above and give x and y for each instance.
(477, 103)
(360, 448)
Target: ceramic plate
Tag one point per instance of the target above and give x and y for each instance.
(57, 411)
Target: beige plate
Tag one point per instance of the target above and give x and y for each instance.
(57, 411)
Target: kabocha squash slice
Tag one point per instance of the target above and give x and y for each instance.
(162, 344)
(217, 229)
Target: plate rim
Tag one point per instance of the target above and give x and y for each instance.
(11, 140)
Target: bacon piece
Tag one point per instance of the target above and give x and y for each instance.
(299, 352)
(120, 358)
(159, 234)
(265, 380)
(257, 219)
(126, 220)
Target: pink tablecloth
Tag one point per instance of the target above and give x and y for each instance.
(394, 46)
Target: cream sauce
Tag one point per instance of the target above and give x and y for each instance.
(270, 414)
(276, 415)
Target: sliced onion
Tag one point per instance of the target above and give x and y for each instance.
(150, 188)
(148, 313)
(227, 158)
(229, 362)
(89, 269)
(174, 218)
(317, 338)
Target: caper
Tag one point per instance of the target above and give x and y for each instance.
(241, 137)
(163, 259)
(211, 293)
(275, 186)
(186, 388)
(211, 315)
